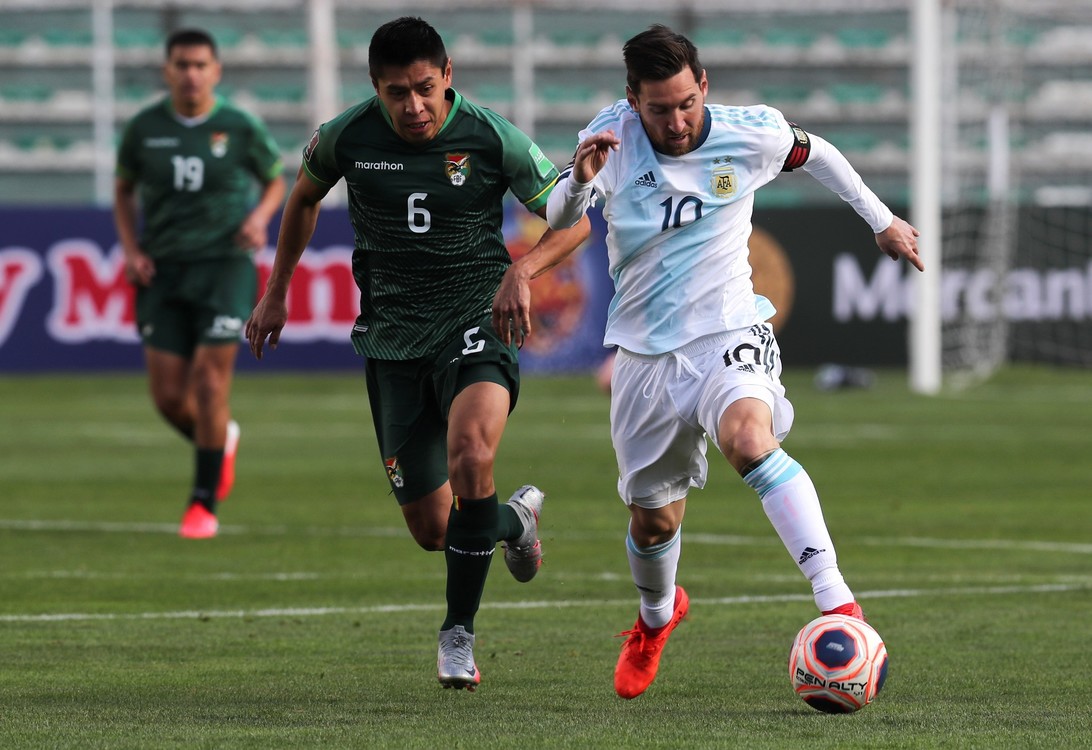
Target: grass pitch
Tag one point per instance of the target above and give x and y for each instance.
(963, 523)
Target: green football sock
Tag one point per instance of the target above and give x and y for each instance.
(206, 477)
(509, 524)
(471, 539)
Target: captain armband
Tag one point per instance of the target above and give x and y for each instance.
(801, 149)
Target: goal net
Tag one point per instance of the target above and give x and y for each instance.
(1016, 158)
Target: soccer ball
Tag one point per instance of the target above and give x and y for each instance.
(837, 664)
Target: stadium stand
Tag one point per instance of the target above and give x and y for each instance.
(848, 80)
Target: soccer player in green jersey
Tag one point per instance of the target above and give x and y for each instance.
(442, 307)
(187, 166)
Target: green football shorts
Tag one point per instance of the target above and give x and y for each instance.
(194, 303)
(410, 400)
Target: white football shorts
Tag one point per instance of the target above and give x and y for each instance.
(663, 406)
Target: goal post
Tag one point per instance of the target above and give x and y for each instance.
(925, 196)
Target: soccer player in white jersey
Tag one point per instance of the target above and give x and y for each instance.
(696, 355)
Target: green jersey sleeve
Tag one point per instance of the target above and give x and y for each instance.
(128, 164)
(263, 157)
(530, 172)
(320, 154)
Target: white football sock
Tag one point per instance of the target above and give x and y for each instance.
(792, 505)
(654, 570)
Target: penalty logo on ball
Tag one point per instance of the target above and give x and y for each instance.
(838, 664)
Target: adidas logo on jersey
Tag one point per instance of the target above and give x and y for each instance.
(646, 180)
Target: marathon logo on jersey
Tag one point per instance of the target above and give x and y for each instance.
(166, 142)
(648, 179)
(394, 471)
(724, 177)
(457, 167)
(218, 143)
(309, 149)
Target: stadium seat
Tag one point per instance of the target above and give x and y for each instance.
(62, 37)
(799, 38)
(26, 92)
(12, 37)
(566, 94)
(575, 38)
(137, 38)
(283, 37)
(853, 141)
(135, 93)
(856, 38)
(499, 37)
(857, 93)
(355, 92)
(784, 94)
(352, 39)
(274, 93)
(706, 37)
(226, 37)
(494, 93)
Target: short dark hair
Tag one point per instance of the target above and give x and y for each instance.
(404, 41)
(191, 38)
(658, 54)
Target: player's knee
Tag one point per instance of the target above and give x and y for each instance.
(210, 384)
(429, 539)
(427, 531)
(649, 528)
(471, 465)
(171, 404)
(747, 443)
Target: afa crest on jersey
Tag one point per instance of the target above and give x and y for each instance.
(724, 177)
(218, 144)
(457, 167)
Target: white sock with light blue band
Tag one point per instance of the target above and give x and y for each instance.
(654, 569)
(792, 505)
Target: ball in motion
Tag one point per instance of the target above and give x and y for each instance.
(837, 664)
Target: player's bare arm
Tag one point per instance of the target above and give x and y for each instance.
(253, 234)
(900, 241)
(139, 267)
(512, 303)
(591, 155)
(297, 226)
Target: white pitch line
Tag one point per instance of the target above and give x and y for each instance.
(727, 540)
(1046, 588)
(127, 527)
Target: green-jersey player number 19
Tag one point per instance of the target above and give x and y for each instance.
(188, 168)
(189, 173)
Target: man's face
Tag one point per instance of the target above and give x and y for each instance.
(672, 111)
(191, 73)
(414, 97)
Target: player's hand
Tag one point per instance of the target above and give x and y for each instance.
(900, 240)
(592, 154)
(253, 234)
(139, 269)
(267, 319)
(512, 307)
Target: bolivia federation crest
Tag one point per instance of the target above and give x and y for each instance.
(218, 144)
(394, 471)
(724, 178)
(457, 167)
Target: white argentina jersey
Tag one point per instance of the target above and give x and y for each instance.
(677, 226)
